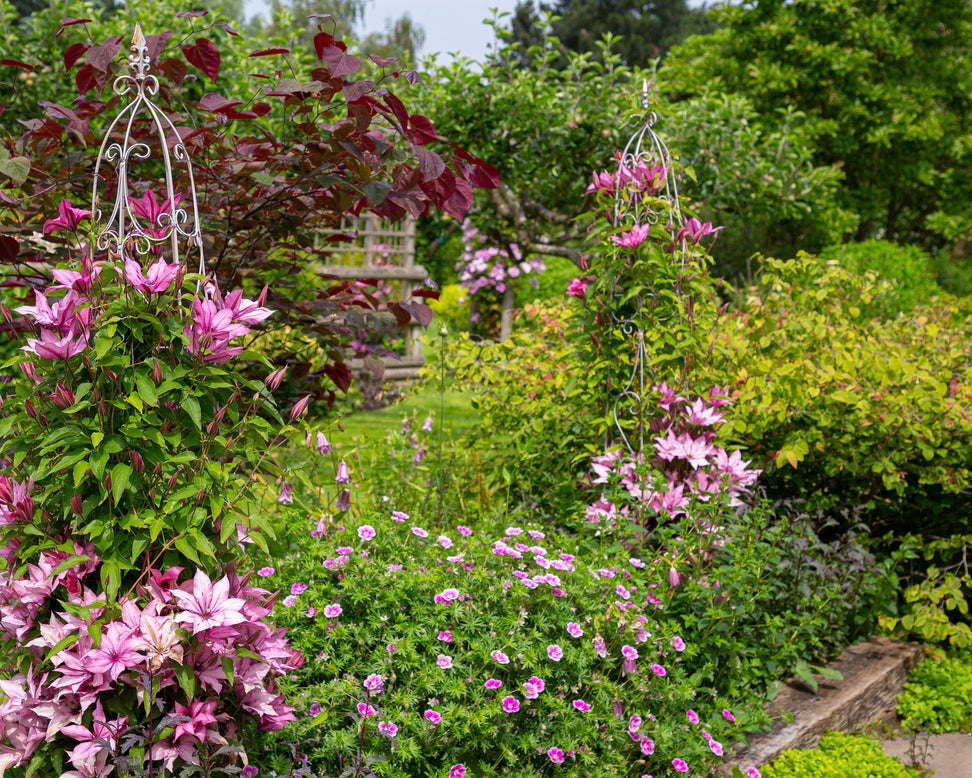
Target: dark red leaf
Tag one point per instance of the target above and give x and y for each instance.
(268, 52)
(430, 163)
(398, 108)
(260, 109)
(175, 69)
(421, 131)
(355, 90)
(205, 56)
(101, 55)
(231, 31)
(483, 175)
(321, 41)
(340, 63)
(382, 61)
(422, 313)
(191, 15)
(16, 64)
(340, 374)
(430, 293)
(9, 249)
(214, 102)
(72, 54)
(460, 201)
(402, 317)
(87, 79)
(155, 44)
(67, 21)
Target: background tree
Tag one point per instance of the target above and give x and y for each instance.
(885, 91)
(647, 30)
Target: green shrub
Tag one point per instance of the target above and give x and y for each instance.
(452, 308)
(935, 606)
(938, 694)
(845, 410)
(839, 756)
(906, 268)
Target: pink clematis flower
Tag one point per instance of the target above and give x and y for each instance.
(207, 605)
(695, 230)
(117, 653)
(210, 330)
(50, 346)
(634, 238)
(68, 218)
(157, 279)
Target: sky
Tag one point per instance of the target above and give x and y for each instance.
(450, 25)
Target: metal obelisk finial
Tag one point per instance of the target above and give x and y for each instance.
(138, 61)
(144, 218)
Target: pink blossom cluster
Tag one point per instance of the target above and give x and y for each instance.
(684, 463)
(481, 266)
(199, 623)
(640, 179)
(64, 326)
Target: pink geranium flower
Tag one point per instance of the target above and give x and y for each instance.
(574, 629)
(511, 704)
(387, 728)
(433, 716)
(444, 661)
(582, 706)
(366, 532)
(333, 611)
(493, 683)
(457, 771)
(555, 652)
(555, 754)
(680, 765)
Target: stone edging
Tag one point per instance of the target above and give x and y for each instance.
(874, 674)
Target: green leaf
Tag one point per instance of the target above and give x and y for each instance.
(804, 673)
(16, 169)
(184, 545)
(135, 401)
(191, 406)
(120, 474)
(96, 438)
(146, 390)
(187, 679)
(228, 670)
(63, 643)
(827, 672)
(80, 471)
(34, 765)
(71, 561)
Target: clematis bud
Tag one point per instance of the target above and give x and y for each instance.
(138, 465)
(262, 299)
(28, 369)
(42, 419)
(175, 477)
(7, 316)
(31, 410)
(76, 504)
(300, 407)
(674, 579)
(112, 375)
(156, 371)
(212, 428)
(107, 482)
(62, 397)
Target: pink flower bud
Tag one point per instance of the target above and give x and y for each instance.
(674, 579)
(76, 504)
(299, 408)
(107, 482)
(273, 380)
(138, 465)
(62, 397)
(31, 410)
(156, 371)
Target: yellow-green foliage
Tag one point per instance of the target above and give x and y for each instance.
(938, 695)
(845, 409)
(839, 756)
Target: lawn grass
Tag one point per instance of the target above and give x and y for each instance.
(454, 407)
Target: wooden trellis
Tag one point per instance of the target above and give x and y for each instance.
(384, 251)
